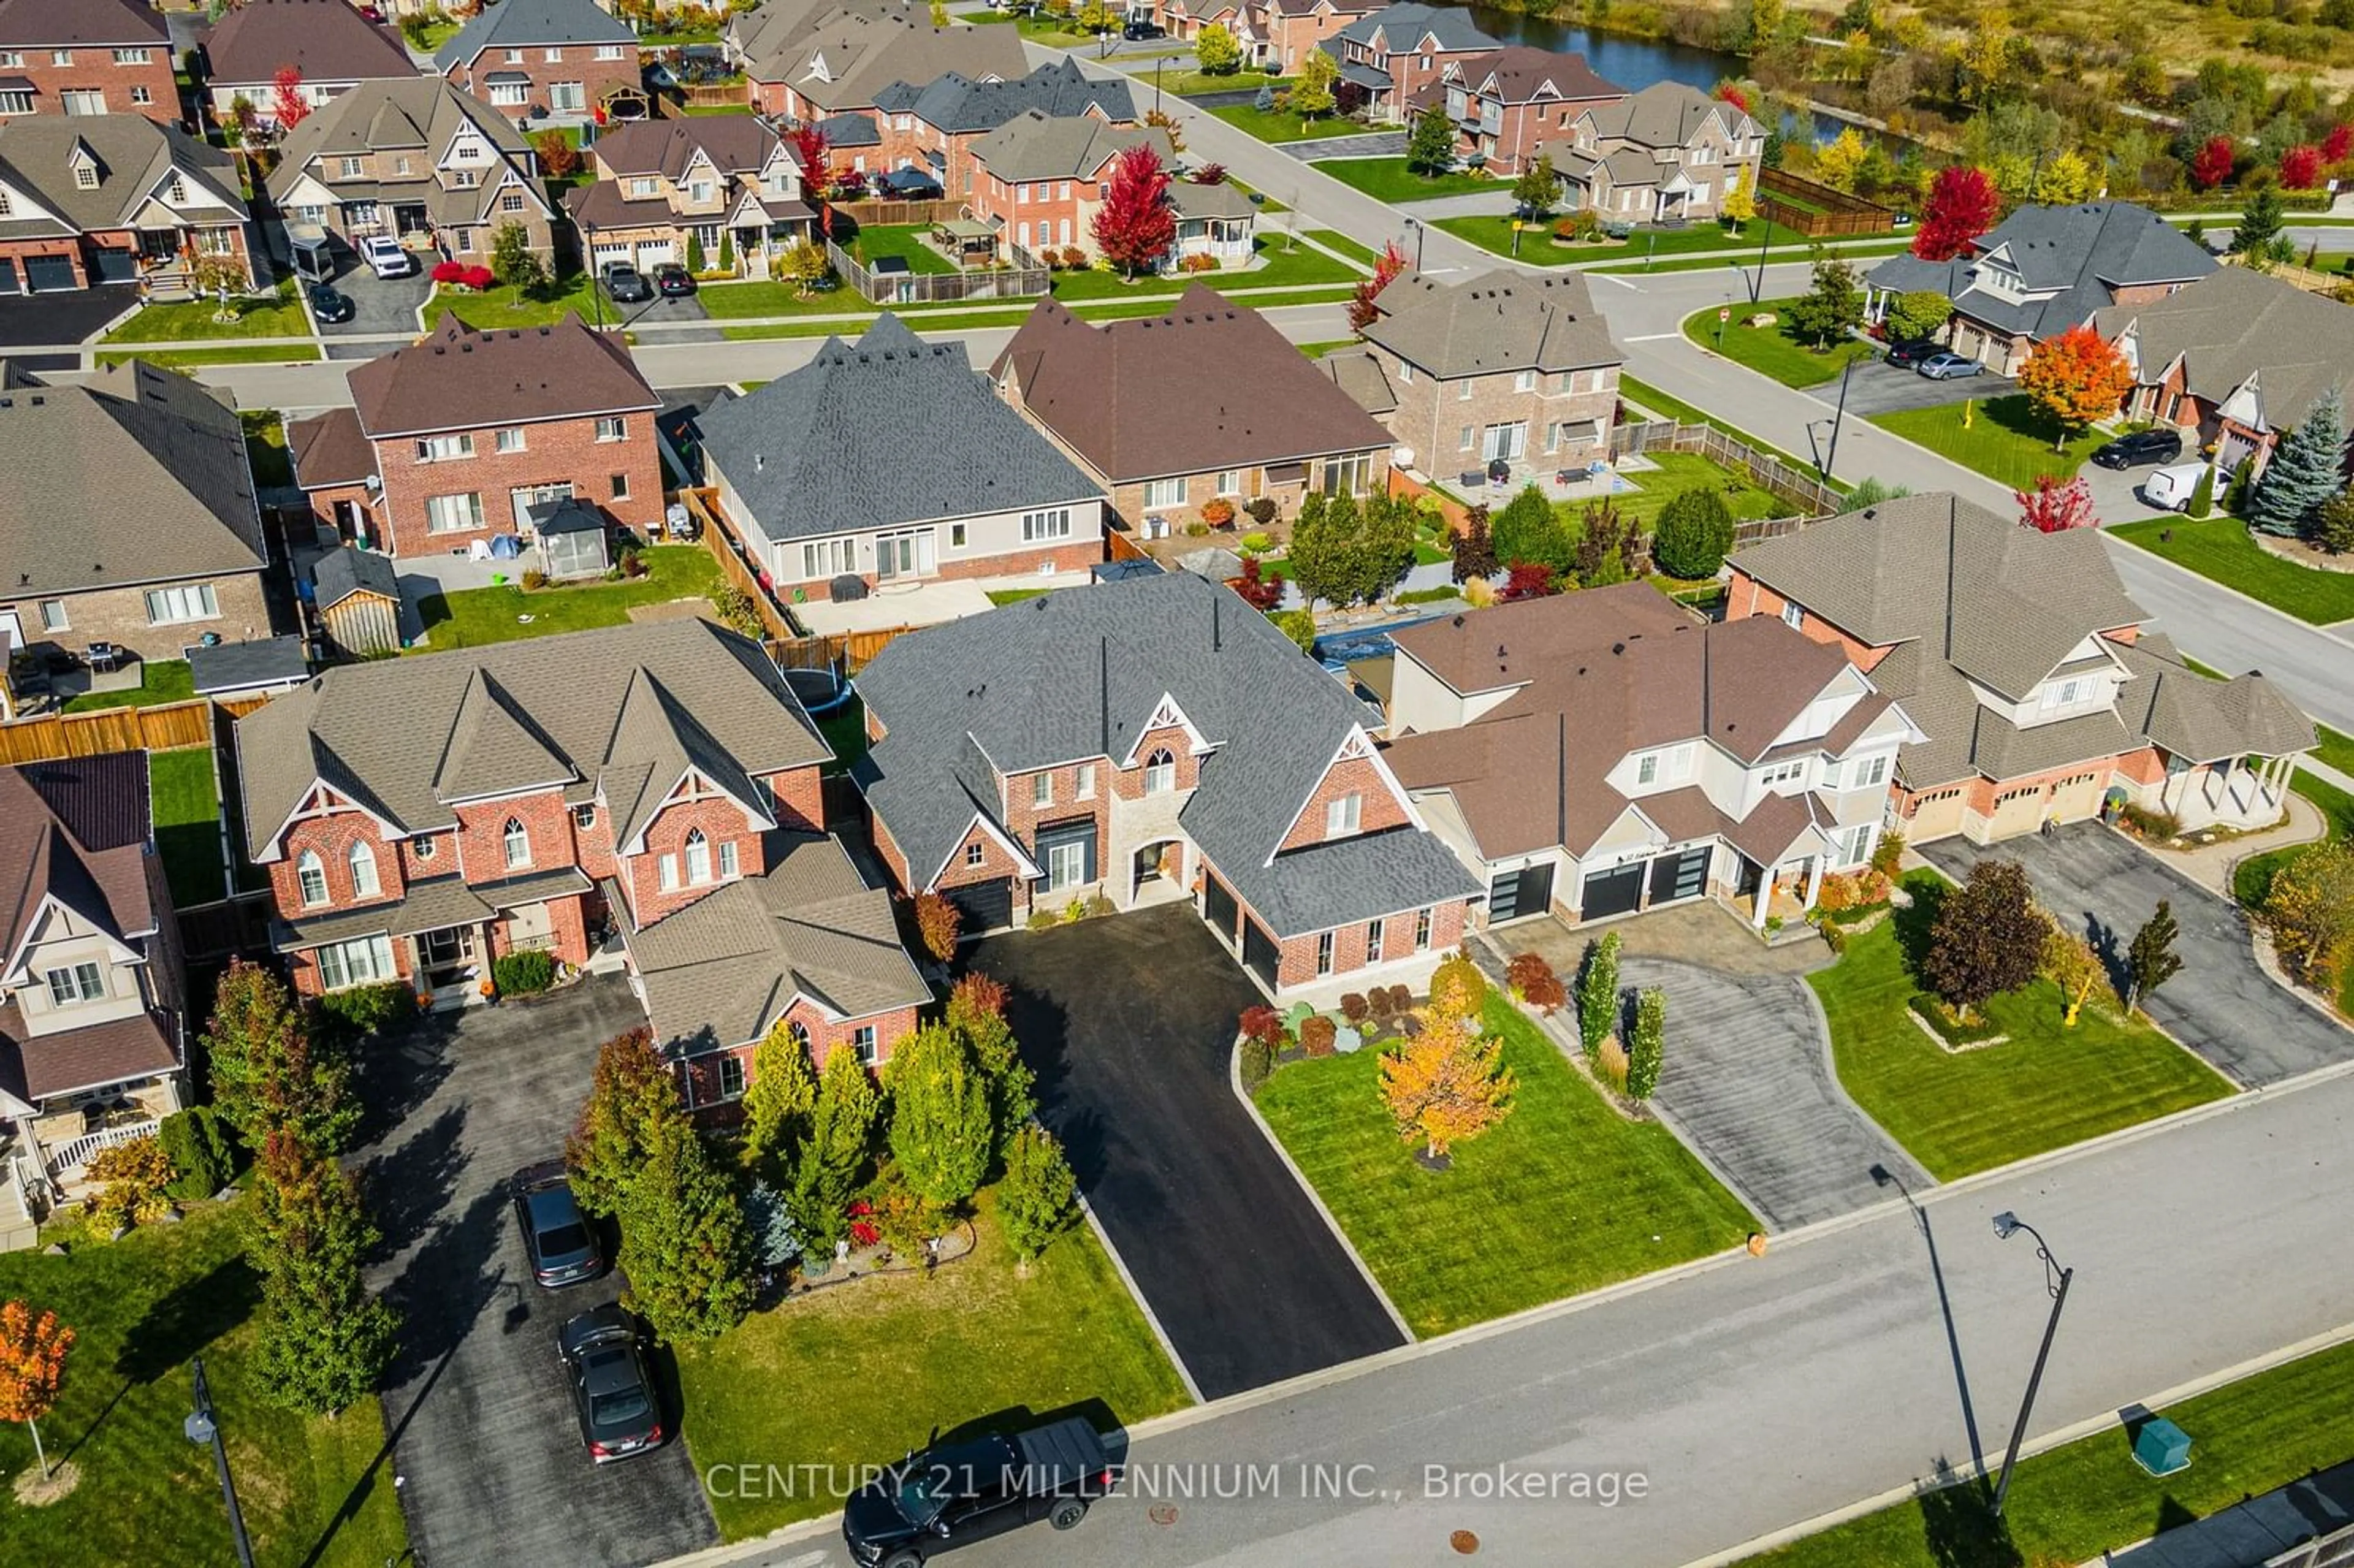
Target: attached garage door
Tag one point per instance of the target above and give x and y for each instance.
(605, 253)
(984, 905)
(1612, 892)
(1676, 878)
(1218, 907)
(2078, 799)
(49, 274)
(1261, 954)
(653, 251)
(8, 281)
(2018, 811)
(1936, 816)
(117, 266)
(1528, 891)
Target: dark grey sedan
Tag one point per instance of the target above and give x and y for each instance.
(557, 1237)
(604, 1359)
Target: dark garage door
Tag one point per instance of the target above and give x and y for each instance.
(117, 266)
(8, 285)
(1528, 891)
(984, 905)
(1260, 953)
(1675, 877)
(48, 274)
(1218, 907)
(1612, 892)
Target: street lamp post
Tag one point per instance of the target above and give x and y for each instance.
(1838, 416)
(204, 1430)
(1415, 224)
(2056, 1280)
(1158, 61)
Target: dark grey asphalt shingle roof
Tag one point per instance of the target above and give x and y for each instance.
(241, 666)
(1403, 26)
(520, 24)
(889, 429)
(342, 573)
(956, 103)
(2073, 258)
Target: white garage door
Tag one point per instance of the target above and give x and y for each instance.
(605, 253)
(651, 251)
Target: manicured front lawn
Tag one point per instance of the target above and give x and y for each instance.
(1284, 262)
(2219, 549)
(473, 617)
(186, 803)
(2251, 878)
(275, 351)
(2045, 1087)
(504, 305)
(1278, 125)
(1494, 232)
(774, 297)
(1775, 350)
(905, 241)
(312, 1491)
(278, 314)
(1184, 83)
(160, 680)
(1562, 1196)
(1388, 179)
(1343, 244)
(859, 1374)
(2006, 437)
(2337, 749)
(2087, 1497)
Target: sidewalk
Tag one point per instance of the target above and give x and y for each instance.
(2253, 1532)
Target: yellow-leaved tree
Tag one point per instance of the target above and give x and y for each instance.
(1836, 163)
(1446, 1084)
(2070, 963)
(1740, 203)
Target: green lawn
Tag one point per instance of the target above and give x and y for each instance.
(265, 447)
(1389, 180)
(275, 352)
(1277, 125)
(859, 1374)
(278, 314)
(504, 305)
(473, 617)
(1667, 405)
(2007, 439)
(1678, 472)
(426, 36)
(2219, 549)
(316, 1492)
(1016, 596)
(2044, 1089)
(1870, 250)
(2087, 1497)
(1283, 263)
(1181, 82)
(160, 680)
(1775, 350)
(844, 730)
(773, 297)
(1319, 350)
(1494, 232)
(905, 240)
(2337, 749)
(2252, 877)
(1344, 245)
(186, 803)
(1562, 1196)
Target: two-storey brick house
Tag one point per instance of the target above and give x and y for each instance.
(1669, 152)
(718, 191)
(1506, 366)
(474, 434)
(114, 200)
(564, 58)
(659, 779)
(86, 57)
(1149, 740)
(1040, 180)
(327, 42)
(1395, 54)
(1293, 30)
(810, 61)
(1502, 105)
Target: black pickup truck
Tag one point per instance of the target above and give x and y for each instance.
(952, 1494)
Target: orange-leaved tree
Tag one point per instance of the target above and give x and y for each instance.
(2076, 377)
(1446, 1084)
(32, 1367)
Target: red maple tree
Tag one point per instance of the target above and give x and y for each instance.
(2056, 504)
(809, 146)
(2075, 378)
(1530, 579)
(1729, 91)
(1363, 312)
(1259, 591)
(2337, 144)
(287, 104)
(2300, 166)
(2213, 166)
(1134, 227)
(1961, 205)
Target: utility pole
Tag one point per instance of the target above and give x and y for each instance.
(1838, 418)
(2056, 1281)
(203, 1429)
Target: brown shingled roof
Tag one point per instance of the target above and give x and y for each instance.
(326, 40)
(459, 378)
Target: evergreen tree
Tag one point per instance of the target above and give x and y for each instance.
(2151, 960)
(1038, 1199)
(269, 1073)
(2308, 468)
(683, 1246)
(630, 1091)
(828, 1165)
(976, 1010)
(778, 1101)
(1475, 551)
(1431, 147)
(941, 1131)
(2259, 225)
(2333, 525)
(1692, 535)
(324, 1340)
(1528, 529)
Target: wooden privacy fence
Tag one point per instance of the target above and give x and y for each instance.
(1815, 210)
(166, 728)
(849, 649)
(740, 574)
(237, 925)
(870, 211)
(1770, 473)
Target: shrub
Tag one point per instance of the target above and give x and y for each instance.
(522, 972)
(1610, 1063)
(448, 272)
(134, 1178)
(1262, 510)
(1044, 920)
(1298, 625)
(1264, 1025)
(1197, 262)
(1457, 988)
(1218, 512)
(1887, 854)
(937, 922)
(633, 564)
(534, 580)
(1534, 982)
(557, 156)
(2149, 823)
(198, 1150)
(1317, 1034)
(1258, 1062)
(346, 1017)
(769, 1229)
(1400, 1000)
(1256, 544)
(737, 611)
(477, 278)
(1354, 1008)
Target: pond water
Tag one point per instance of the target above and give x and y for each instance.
(1633, 63)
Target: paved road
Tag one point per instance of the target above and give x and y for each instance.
(1747, 1080)
(2221, 1005)
(1130, 1025)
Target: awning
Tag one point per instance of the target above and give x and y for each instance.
(17, 84)
(508, 78)
(967, 228)
(1369, 77)
(1286, 473)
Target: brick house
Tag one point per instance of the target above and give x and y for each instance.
(1186, 19)
(531, 58)
(1206, 402)
(333, 46)
(809, 62)
(92, 1040)
(1595, 754)
(1505, 367)
(1670, 151)
(887, 460)
(1182, 748)
(657, 779)
(86, 57)
(1293, 30)
(2042, 270)
(934, 126)
(1503, 104)
(416, 158)
(114, 199)
(727, 182)
(2026, 666)
(146, 533)
(1041, 182)
(1393, 55)
(470, 431)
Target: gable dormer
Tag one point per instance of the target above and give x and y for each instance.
(1356, 794)
(84, 167)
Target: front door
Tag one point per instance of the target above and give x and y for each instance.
(448, 955)
(1676, 878)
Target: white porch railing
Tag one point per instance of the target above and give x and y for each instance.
(68, 1159)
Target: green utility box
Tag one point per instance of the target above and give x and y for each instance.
(2161, 1447)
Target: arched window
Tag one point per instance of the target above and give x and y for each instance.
(362, 864)
(1160, 772)
(800, 1031)
(311, 873)
(698, 856)
(517, 843)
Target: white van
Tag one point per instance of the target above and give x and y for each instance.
(2168, 489)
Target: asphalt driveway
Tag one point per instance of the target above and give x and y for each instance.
(484, 1436)
(59, 318)
(2222, 1005)
(1880, 388)
(379, 306)
(1128, 1021)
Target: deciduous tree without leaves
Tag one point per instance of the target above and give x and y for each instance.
(2075, 378)
(1446, 1084)
(2056, 504)
(33, 1349)
(1134, 227)
(1987, 937)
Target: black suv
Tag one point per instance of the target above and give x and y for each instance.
(1912, 352)
(603, 1351)
(952, 1494)
(624, 284)
(2140, 447)
(1137, 32)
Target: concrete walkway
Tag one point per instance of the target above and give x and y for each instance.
(2210, 865)
(2253, 1532)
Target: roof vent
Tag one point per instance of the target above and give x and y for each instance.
(38, 401)
(1618, 648)
(1459, 620)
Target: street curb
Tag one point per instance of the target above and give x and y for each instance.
(2272, 609)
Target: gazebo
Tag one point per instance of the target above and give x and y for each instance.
(967, 241)
(570, 537)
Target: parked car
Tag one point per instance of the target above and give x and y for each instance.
(331, 305)
(603, 1351)
(385, 257)
(2170, 489)
(673, 281)
(624, 284)
(1138, 32)
(1912, 351)
(560, 1242)
(2138, 447)
(1946, 365)
(952, 1494)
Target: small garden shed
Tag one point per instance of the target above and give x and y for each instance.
(357, 596)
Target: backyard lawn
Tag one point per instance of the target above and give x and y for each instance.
(187, 802)
(471, 617)
(1680, 471)
(314, 1492)
(853, 1375)
(904, 240)
(1388, 179)
(2006, 437)
(160, 680)
(1562, 1196)
(2087, 1497)
(2219, 549)
(1775, 350)
(265, 447)
(1278, 125)
(2045, 1087)
(276, 315)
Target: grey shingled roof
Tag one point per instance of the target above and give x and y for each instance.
(1031, 146)
(864, 53)
(242, 666)
(134, 156)
(1519, 73)
(139, 475)
(955, 103)
(2085, 252)
(885, 431)
(1361, 376)
(1498, 321)
(1078, 673)
(2237, 326)
(1403, 28)
(602, 709)
(2202, 719)
(1666, 114)
(521, 24)
(351, 570)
